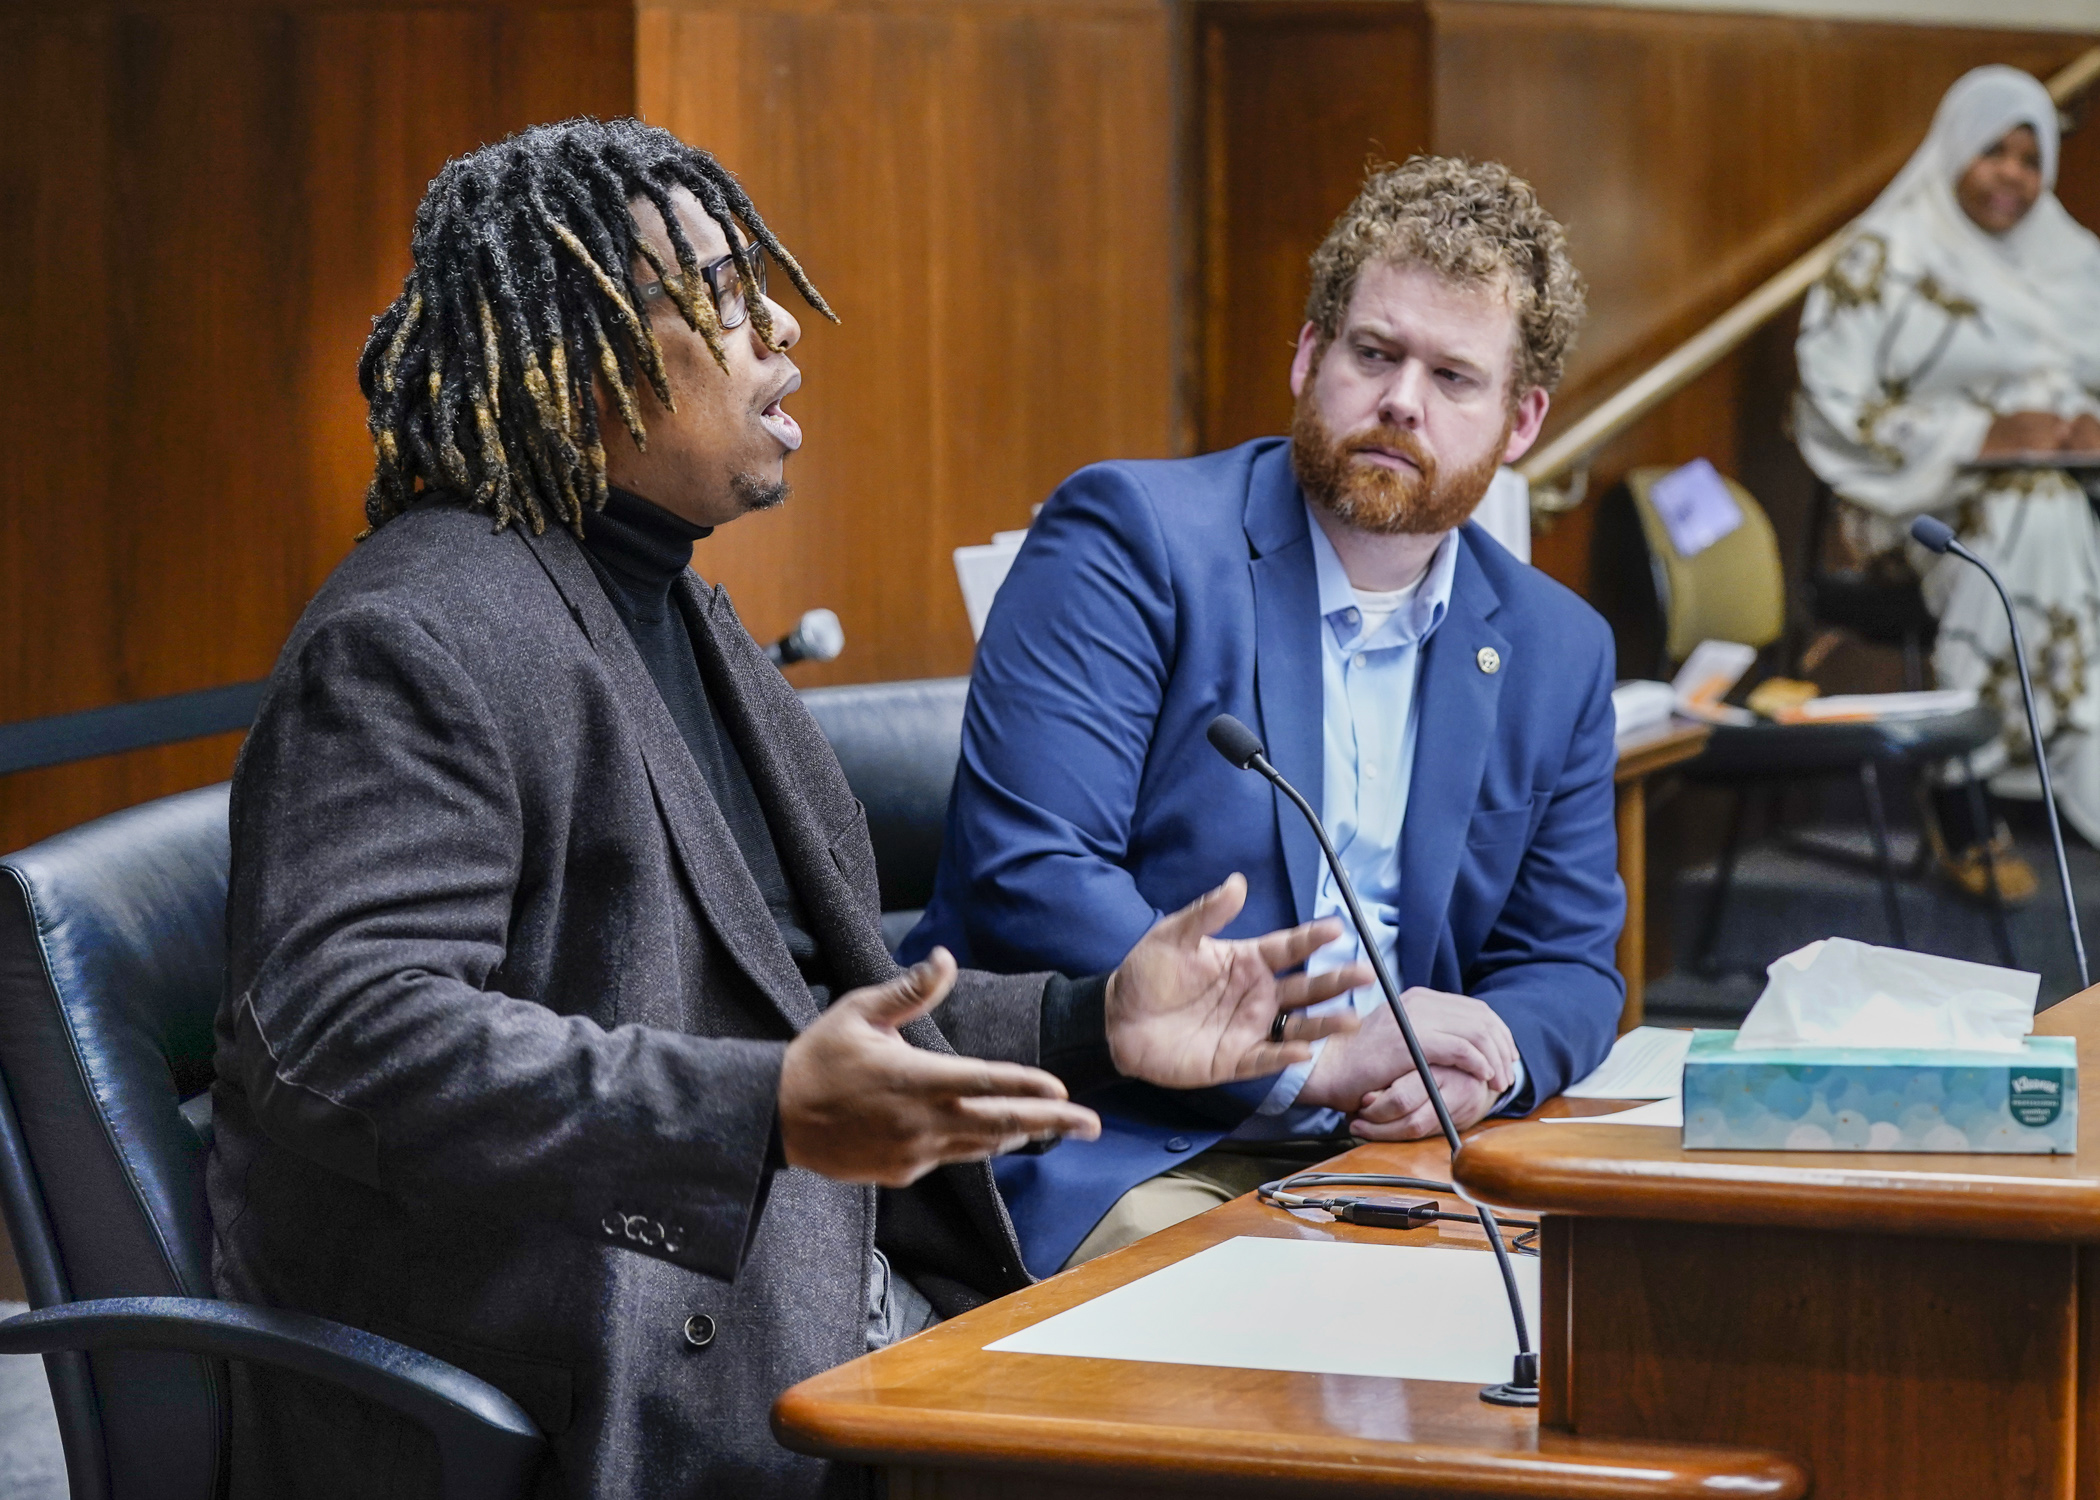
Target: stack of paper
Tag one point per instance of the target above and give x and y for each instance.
(1707, 676)
(1646, 1063)
(1638, 705)
(1882, 705)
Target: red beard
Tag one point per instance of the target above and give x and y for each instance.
(1371, 497)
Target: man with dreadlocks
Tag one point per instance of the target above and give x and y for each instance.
(561, 1040)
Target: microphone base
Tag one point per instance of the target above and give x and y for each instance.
(1508, 1393)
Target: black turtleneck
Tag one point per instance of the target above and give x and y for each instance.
(638, 550)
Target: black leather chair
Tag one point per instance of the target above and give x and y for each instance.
(1773, 756)
(898, 743)
(112, 960)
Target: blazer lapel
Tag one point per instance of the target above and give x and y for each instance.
(721, 883)
(778, 742)
(783, 748)
(1456, 705)
(1287, 658)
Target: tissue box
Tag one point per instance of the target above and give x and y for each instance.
(1881, 1099)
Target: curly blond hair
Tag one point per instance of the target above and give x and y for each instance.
(1473, 223)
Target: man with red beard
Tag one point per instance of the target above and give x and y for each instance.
(1447, 708)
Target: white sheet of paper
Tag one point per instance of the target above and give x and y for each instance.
(980, 571)
(1646, 1063)
(1320, 1306)
(1704, 680)
(1668, 1112)
(1696, 507)
(1890, 705)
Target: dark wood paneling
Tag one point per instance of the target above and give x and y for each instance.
(208, 201)
(984, 192)
(1874, 1360)
(206, 204)
(1691, 156)
(1295, 99)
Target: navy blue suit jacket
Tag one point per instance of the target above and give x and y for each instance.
(1150, 597)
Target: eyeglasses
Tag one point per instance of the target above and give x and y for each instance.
(723, 284)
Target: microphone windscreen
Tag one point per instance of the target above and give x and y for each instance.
(819, 636)
(1932, 533)
(1234, 740)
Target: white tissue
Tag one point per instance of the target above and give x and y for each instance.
(1841, 993)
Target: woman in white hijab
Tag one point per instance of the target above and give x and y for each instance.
(1961, 325)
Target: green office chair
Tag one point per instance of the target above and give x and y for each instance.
(1735, 590)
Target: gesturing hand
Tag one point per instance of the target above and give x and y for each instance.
(1404, 1113)
(860, 1104)
(1187, 1010)
(1456, 1031)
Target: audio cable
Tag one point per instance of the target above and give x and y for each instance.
(1384, 1213)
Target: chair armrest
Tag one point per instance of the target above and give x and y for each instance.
(486, 1444)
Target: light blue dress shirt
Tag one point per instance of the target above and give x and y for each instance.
(1371, 722)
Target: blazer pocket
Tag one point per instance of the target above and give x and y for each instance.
(1498, 826)
(854, 854)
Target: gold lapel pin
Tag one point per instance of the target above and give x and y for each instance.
(1490, 660)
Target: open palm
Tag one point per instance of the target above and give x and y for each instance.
(1187, 1010)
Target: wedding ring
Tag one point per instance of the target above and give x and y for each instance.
(1283, 1019)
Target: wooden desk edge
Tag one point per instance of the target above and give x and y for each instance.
(1641, 1172)
(805, 1420)
(1646, 751)
(893, 1407)
(1574, 1169)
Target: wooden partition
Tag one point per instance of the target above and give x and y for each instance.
(1692, 156)
(981, 188)
(204, 205)
(1057, 230)
(1295, 98)
(207, 202)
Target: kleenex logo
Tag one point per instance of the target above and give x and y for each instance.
(2035, 1099)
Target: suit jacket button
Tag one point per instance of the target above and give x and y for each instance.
(699, 1330)
(1179, 1143)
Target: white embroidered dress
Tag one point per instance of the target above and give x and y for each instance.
(1924, 332)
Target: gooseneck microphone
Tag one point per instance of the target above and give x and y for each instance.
(1243, 747)
(817, 636)
(1937, 536)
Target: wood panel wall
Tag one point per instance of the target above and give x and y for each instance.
(1058, 230)
(1691, 156)
(1295, 98)
(204, 205)
(983, 190)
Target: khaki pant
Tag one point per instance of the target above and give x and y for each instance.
(1196, 1186)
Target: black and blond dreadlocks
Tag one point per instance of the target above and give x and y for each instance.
(479, 377)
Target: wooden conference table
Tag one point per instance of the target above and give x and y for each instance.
(1715, 1323)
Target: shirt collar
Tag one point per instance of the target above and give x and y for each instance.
(1413, 623)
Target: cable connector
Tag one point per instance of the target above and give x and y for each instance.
(1388, 1213)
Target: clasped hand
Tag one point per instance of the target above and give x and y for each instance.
(2041, 432)
(1185, 1010)
(1371, 1077)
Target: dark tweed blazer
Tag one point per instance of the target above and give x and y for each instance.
(503, 1032)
